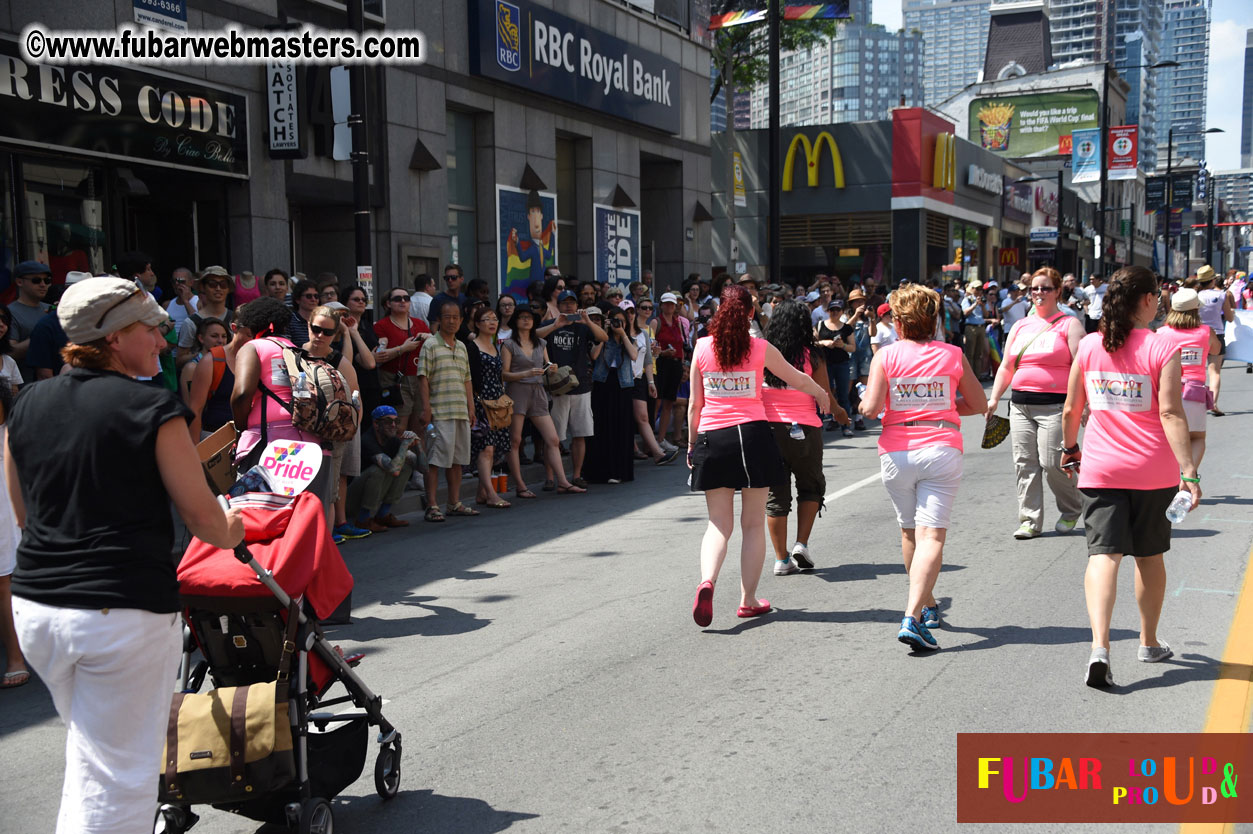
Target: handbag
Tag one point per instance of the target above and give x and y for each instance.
(558, 381)
(499, 411)
(1198, 392)
(233, 743)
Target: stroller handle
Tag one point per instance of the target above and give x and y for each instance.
(241, 549)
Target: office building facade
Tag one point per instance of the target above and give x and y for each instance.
(1181, 91)
(954, 37)
(1246, 109)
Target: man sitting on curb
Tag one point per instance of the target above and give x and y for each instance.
(381, 483)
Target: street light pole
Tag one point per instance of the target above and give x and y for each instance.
(1170, 195)
(1100, 200)
(1057, 257)
(776, 175)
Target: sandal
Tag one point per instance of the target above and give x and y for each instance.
(526, 493)
(548, 486)
(570, 490)
(461, 509)
(433, 514)
(499, 504)
(12, 680)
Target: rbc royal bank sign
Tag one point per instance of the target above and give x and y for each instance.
(549, 54)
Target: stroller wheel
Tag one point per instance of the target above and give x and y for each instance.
(316, 817)
(173, 819)
(387, 772)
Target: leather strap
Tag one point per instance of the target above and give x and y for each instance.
(239, 734)
(171, 743)
(283, 678)
(1039, 333)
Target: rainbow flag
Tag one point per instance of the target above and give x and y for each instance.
(994, 349)
(820, 11)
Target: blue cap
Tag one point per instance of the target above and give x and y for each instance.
(31, 268)
(383, 411)
(566, 294)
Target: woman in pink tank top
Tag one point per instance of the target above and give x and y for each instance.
(730, 446)
(797, 430)
(923, 386)
(1036, 367)
(1195, 342)
(1135, 457)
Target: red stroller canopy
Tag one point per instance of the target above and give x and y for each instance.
(290, 539)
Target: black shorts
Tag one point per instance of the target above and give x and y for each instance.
(737, 457)
(640, 391)
(1222, 343)
(803, 459)
(1128, 521)
(668, 376)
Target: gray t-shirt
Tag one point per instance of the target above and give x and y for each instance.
(25, 318)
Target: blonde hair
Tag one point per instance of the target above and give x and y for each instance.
(914, 311)
(323, 310)
(1184, 319)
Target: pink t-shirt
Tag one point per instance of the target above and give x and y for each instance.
(1124, 446)
(788, 405)
(732, 396)
(273, 376)
(1193, 347)
(243, 295)
(922, 385)
(1045, 364)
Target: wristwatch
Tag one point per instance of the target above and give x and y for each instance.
(1072, 450)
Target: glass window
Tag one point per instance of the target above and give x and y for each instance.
(567, 204)
(64, 210)
(459, 163)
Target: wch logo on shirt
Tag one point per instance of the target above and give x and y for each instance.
(1190, 356)
(731, 384)
(912, 393)
(1108, 391)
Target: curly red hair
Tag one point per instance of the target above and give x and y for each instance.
(729, 327)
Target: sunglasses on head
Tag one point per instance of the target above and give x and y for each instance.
(321, 331)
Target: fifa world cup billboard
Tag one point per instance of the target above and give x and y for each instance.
(1032, 124)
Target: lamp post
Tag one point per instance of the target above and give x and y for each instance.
(1057, 251)
(1170, 186)
(1101, 197)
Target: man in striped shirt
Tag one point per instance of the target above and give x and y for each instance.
(446, 398)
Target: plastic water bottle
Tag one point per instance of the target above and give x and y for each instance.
(1179, 507)
(430, 437)
(300, 391)
(796, 432)
(861, 389)
(356, 400)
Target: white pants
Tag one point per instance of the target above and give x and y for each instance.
(922, 484)
(111, 674)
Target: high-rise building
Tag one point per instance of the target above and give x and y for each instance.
(954, 36)
(1181, 90)
(859, 75)
(1246, 112)
(1235, 189)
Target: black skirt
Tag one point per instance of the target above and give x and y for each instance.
(744, 456)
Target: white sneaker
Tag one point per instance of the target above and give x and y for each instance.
(1026, 531)
(800, 555)
(1063, 526)
(668, 446)
(783, 567)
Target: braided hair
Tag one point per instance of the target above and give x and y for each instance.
(1126, 289)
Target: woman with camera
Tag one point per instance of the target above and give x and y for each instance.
(1036, 368)
(1135, 459)
(731, 447)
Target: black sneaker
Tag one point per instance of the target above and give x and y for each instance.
(859, 425)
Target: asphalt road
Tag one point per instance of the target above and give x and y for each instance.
(544, 668)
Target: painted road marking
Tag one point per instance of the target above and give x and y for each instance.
(1183, 588)
(1220, 518)
(1232, 701)
(840, 493)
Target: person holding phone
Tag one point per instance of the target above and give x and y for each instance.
(400, 338)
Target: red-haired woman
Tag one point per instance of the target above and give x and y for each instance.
(730, 445)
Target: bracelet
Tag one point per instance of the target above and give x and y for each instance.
(1072, 450)
(1195, 480)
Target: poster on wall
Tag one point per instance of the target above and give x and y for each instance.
(1032, 124)
(526, 232)
(1085, 161)
(617, 256)
(1123, 152)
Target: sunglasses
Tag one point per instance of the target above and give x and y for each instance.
(645, 307)
(311, 295)
(398, 298)
(1044, 289)
(39, 279)
(321, 331)
(219, 285)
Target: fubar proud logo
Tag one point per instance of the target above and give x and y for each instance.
(508, 36)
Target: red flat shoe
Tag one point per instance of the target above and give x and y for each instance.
(753, 610)
(703, 607)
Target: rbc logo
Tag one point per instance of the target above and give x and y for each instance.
(508, 36)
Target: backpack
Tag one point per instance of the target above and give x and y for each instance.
(328, 412)
(218, 356)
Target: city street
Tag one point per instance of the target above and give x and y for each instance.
(544, 668)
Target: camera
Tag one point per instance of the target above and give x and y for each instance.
(615, 323)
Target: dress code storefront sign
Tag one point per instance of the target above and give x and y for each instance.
(549, 54)
(123, 114)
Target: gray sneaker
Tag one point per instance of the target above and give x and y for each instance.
(784, 567)
(1154, 654)
(1099, 674)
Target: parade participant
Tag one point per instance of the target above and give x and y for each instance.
(1196, 343)
(524, 359)
(791, 412)
(1216, 309)
(923, 386)
(486, 442)
(730, 446)
(1036, 368)
(95, 596)
(1135, 458)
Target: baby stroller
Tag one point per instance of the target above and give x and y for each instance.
(253, 614)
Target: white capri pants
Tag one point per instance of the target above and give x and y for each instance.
(111, 674)
(922, 484)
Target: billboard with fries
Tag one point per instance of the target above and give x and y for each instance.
(1033, 124)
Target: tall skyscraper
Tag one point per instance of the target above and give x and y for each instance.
(1181, 91)
(954, 36)
(1246, 113)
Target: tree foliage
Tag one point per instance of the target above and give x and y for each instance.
(749, 48)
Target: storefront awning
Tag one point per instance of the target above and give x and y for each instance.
(946, 209)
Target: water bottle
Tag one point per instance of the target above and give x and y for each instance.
(300, 391)
(430, 437)
(356, 400)
(1179, 507)
(796, 432)
(861, 389)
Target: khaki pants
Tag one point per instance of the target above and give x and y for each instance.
(1035, 433)
(373, 488)
(977, 348)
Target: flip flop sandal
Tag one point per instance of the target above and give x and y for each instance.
(433, 514)
(499, 505)
(12, 680)
(461, 509)
(745, 611)
(526, 493)
(570, 490)
(548, 486)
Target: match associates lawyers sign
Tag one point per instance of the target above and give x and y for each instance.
(617, 256)
(549, 54)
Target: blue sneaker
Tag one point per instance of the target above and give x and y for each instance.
(931, 616)
(337, 538)
(350, 531)
(915, 635)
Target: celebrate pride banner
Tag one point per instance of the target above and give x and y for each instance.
(1104, 777)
